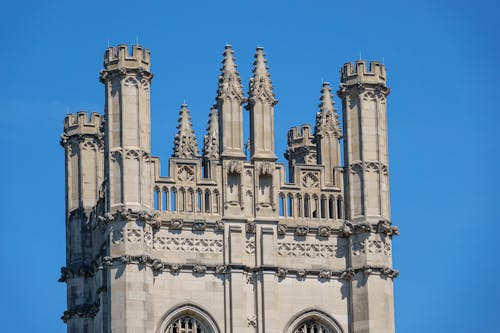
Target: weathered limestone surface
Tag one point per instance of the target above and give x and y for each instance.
(226, 244)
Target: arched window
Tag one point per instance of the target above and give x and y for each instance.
(315, 207)
(312, 326)
(157, 199)
(340, 215)
(216, 198)
(208, 203)
(282, 205)
(313, 321)
(187, 324)
(164, 197)
(299, 206)
(289, 205)
(173, 200)
(331, 208)
(199, 201)
(306, 205)
(188, 319)
(323, 207)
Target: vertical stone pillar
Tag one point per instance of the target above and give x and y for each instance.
(127, 79)
(363, 92)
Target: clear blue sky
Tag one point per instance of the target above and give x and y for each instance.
(443, 68)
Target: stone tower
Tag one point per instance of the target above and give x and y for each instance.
(226, 244)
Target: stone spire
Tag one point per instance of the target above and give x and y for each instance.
(261, 86)
(185, 145)
(229, 100)
(211, 139)
(327, 135)
(261, 103)
(229, 81)
(327, 118)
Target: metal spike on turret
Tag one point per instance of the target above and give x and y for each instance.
(229, 85)
(211, 139)
(327, 117)
(261, 85)
(185, 145)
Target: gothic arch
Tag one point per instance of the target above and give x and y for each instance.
(315, 317)
(191, 311)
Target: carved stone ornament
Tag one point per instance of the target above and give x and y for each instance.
(199, 225)
(301, 273)
(282, 229)
(252, 321)
(157, 266)
(250, 227)
(323, 231)
(82, 311)
(175, 268)
(310, 179)
(219, 226)
(220, 269)
(234, 167)
(347, 274)
(126, 259)
(176, 224)
(302, 230)
(325, 274)
(347, 229)
(385, 227)
(107, 261)
(144, 259)
(281, 272)
(265, 168)
(199, 269)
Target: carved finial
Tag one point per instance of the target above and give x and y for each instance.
(185, 145)
(229, 81)
(327, 118)
(261, 86)
(211, 139)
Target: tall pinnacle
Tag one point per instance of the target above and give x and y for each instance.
(211, 139)
(185, 145)
(261, 86)
(229, 81)
(327, 118)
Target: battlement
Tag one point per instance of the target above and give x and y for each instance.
(120, 56)
(358, 72)
(82, 123)
(300, 136)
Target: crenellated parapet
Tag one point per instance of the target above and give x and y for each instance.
(359, 73)
(82, 123)
(122, 56)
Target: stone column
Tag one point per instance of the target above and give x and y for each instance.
(363, 92)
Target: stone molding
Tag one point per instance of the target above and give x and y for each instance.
(346, 230)
(158, 266)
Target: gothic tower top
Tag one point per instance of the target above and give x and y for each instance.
(225, 243)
